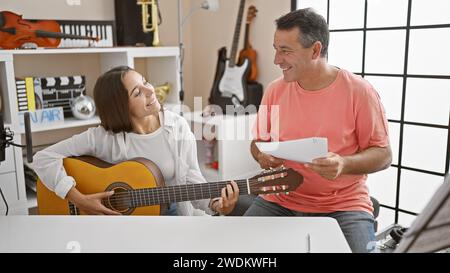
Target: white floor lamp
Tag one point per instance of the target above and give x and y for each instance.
(212, 5)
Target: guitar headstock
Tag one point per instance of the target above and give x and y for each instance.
(251, 13)
(280, 180)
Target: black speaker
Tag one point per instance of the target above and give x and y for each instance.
(129, 24)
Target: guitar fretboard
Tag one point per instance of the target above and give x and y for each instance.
(180, 193)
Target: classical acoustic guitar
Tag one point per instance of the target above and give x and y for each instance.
(139, 188)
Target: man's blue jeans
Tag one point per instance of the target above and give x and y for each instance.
(357, 226)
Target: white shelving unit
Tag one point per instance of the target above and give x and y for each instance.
(158, 64)
(233, 138)
(11, 172)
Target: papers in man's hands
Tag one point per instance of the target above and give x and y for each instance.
(300, 150)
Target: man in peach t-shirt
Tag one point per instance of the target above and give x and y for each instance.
(316, 99)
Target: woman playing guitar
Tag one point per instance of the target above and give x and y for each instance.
(133, 124)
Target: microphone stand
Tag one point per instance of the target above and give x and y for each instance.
(181, 56)
(6, 139)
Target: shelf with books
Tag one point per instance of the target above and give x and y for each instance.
(157, 64)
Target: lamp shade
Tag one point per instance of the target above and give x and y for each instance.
(212, 5)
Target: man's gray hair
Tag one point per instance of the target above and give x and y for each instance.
(311, 25)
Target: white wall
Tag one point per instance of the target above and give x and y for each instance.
(204, 33)
(212, 30)
(207, 31)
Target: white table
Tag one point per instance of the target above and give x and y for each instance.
(170, 234)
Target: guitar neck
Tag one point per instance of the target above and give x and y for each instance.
(237, 33)
(180, 193)
(247, 38)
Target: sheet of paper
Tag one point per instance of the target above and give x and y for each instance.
(300, 150)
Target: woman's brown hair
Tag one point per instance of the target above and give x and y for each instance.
(111, 99)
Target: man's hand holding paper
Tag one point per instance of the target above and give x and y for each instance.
(300, 150)
(329, 167)
(266, 161)
(313, 152)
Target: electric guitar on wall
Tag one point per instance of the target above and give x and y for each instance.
(233, 84)
(230, 82)
(139, 188)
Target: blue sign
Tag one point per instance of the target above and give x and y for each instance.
(43, 117)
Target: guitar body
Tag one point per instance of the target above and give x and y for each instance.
(234, 81)
(218, 95)
(250, 54)
(93, 175)
(220, 70)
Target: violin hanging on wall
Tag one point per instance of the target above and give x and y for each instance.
(16, 32)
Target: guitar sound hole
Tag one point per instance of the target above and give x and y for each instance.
(121, 199)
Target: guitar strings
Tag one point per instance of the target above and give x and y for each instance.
(143, 200)
(127, 196)
(242, 184)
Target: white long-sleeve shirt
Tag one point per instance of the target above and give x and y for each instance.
(154, 146)
(114, 148)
